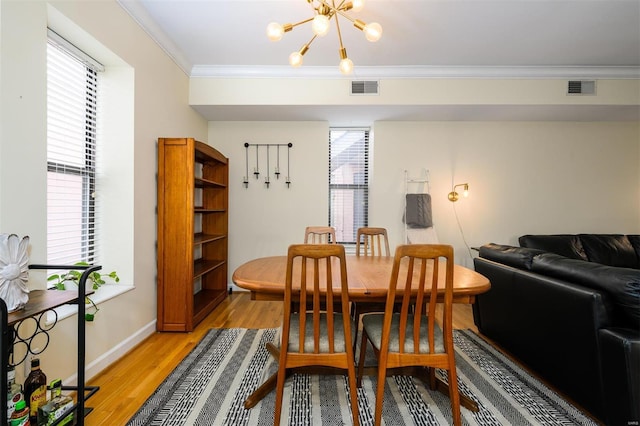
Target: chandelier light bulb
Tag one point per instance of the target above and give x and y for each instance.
(320, 25)
(275, 31)
(357, 5)
(324, 12)
(346, 66)
(295, 59)
(373, 31)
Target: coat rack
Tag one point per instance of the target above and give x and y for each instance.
(267, 174)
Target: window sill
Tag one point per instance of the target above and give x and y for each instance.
(104, 293)
(349, 249)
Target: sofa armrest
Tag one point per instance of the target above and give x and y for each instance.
(518, 257)
(620, 352)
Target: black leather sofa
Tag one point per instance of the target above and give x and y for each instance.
(568, 307)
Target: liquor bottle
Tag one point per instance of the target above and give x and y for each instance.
(14, 390)
(20, 416)
(35, 390)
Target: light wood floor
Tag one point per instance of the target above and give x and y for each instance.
(127, 384)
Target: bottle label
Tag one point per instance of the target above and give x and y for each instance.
(38, 398)
(12, 400)
(22, 421)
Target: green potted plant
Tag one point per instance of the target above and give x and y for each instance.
(95, 278)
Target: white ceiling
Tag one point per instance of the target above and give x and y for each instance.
(475, 38)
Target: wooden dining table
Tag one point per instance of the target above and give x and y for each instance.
(368, 279)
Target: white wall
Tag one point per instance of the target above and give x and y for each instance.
(23, 87)
(264, 222)
(524, 177)
(149, 100)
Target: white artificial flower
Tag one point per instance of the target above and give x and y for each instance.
(14, 271)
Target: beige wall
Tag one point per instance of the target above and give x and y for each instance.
(264, 222)
(150, 103)
(524, 177)
(408, 91)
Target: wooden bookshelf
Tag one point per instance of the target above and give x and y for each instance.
(192, 232)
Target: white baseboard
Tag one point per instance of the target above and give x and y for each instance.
(115, 353)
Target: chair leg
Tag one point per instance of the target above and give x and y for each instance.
(454, 395)
(354, 394)
(382, 377)
(356, 319)
(282, 376)
(363, 353)
(432, 378)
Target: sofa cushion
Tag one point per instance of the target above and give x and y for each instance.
(635, 242)
(609, 249)
(563, 244)
(621, 284)
(517, 257)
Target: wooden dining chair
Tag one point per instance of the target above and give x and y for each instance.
(316, 337)
(371, 240)
(423, 338)
(319, 235)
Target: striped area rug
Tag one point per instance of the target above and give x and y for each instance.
(211, 383)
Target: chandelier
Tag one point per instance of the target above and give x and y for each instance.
(324, 12)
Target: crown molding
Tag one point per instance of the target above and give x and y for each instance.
(393, 72)
(140, 15)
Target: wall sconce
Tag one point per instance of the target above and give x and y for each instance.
(453, 195)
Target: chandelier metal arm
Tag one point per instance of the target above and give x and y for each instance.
(325, 10)
(338, 28)
(305, 47)
(289, 27)
(340, 9)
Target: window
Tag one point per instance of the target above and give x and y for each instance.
(72, 115)
(348, 182)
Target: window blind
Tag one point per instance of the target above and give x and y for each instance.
(348, 182)
(72, 109)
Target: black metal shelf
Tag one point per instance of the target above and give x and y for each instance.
(41, 302)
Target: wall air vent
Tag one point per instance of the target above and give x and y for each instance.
(363, 87)
(581, 87)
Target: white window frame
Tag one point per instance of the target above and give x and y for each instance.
(72, 117)
(349, 152)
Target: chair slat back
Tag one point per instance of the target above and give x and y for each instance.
(312, 269)
(311, 272)
(371, 240)
(319, 235)
(419, 283)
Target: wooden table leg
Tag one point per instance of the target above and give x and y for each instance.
(442, 387)
(465, 401)
(268, 385)
(273, 350)
(261, 392)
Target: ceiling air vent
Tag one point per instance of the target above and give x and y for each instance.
(581, 87)
(363, 87)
